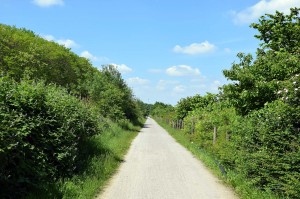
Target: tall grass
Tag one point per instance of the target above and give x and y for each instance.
(238, 182)
(101, 156)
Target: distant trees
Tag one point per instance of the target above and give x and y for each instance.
(185, 105)
(111, 93)
(163, 110)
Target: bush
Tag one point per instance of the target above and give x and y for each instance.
(40, 132)
(269, 148)
(200, 124)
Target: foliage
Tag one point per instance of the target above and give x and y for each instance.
(41, 130)
(256, 115)
(51, 103)
(266, 92)
(162, 110)
(200, 123)
(190, 103)
(144, 107)
(112, 95)
(280, 32)
(254, 81)
(100, 157)
(269, 148)
(23, 52)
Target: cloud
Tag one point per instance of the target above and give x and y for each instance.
(122, 68)
(195, 48)
(252, 13)
(163, 85)
(88, 55)
(48, 37)
(68, 43)
(182, 70)
(137, 81)
(48, 3)
(179, 89)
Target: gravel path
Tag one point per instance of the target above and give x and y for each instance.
(157, 167)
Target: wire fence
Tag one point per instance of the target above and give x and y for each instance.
(180, 124)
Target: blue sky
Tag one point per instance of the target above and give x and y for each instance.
(165, 49)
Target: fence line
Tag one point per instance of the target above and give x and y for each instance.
(180, 124)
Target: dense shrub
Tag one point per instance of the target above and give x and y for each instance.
(44, 128)
(269, 148)
(40, 132)
(200, 125)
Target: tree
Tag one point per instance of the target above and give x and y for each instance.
(280, 32)
(185, 105)
(163, 110)
(256, 82)
(24, 53)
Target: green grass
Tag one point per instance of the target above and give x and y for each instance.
(101, 157)
(242, 186)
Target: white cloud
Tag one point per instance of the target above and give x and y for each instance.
(48, 37)
(47, 3)
(163, 85)
(68, 43)
(88, 55)
(122, 68)
(252, 13)
(182, 70)
(179, 89)
(137, 80)
(195, 48)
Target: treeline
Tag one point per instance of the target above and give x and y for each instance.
(256, 116)
(51, 102)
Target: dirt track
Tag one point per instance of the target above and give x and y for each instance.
(157, 167)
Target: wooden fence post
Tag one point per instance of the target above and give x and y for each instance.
(227, 136)
(193, 126)
(215, 135)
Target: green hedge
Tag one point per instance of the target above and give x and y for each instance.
(269, 148)
(40, 132)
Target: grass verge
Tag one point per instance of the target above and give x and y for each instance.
(242, 186)
(103, 155)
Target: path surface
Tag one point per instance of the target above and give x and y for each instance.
(157, 167)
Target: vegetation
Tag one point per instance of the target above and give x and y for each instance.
(65, 125)
(100, 157)
(256, 116)
(62, 120)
